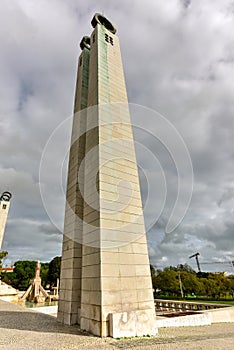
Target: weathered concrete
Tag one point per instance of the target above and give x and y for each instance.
(127, 320)
(200, 319)
(133, 322)
(221, 315)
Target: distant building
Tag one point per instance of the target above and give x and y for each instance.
(7, 269)
(224, 273)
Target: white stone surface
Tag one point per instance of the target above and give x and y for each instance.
(184, 321)
(4, 208)
(132, 324)
(112, 261)
(48, 310)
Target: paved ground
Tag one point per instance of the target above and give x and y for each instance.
(23, 329)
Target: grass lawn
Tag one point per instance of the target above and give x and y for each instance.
(227, 302)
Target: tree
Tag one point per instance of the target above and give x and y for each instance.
(54, 270)
(44, 274)
(152, 270)
(230, 285)
(185, 268)
(211, 287)
(205, 284)
(191, 284)
(3, 254)
(24, 272)
(167, 281)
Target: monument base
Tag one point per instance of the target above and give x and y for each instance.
(133, 324)
(136, 323)
(68, 318)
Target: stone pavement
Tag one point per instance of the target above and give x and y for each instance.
(23, 329)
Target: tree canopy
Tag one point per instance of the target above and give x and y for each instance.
(214, 285)
(24, 273)
(54, 270)
(3, 254)
(167, 282)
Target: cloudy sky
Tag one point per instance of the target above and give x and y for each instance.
(178, 59)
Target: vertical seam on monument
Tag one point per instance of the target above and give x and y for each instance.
(99, 62)
(100, 257)
(104, 82)
(86, 60)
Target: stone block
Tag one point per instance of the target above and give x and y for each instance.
(70, 318)
(110, 270)
(111, 283)
(89, 283)
(84, 323)
(144, 294)
(132, 323)
(128, 282)
(142, 270)
(91, 259)
(128, 296)
(108, 257)
(143, 282)
(91, 271)
(90, 311)
(123, 324)
(95, 297)
(111, 297)
(145, 323)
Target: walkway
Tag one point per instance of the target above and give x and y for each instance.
(23, 329)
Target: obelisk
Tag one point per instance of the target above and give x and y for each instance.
(105, 274)
(4, 208)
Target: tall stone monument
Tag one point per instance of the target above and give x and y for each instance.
(105, 275)
(4, 208)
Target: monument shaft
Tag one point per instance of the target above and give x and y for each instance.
(105, 276)
(4, 209)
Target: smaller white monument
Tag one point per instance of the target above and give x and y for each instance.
(35, 292)
(4, 208)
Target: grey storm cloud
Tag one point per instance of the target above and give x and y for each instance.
(227, 195)
(178, 59)
(49, 229)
